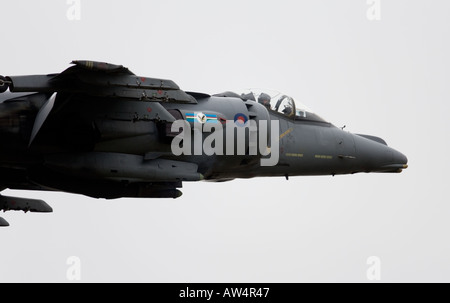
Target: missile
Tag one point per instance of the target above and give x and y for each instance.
(24, 204)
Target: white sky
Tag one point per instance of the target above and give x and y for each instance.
(388, 78)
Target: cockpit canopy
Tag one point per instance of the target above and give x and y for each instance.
(282, 104)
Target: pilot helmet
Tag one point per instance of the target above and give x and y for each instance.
(264, 99)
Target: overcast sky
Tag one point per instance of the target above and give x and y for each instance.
(382, 71)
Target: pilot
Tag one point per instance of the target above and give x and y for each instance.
(264, 99)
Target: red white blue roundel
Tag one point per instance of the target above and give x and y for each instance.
(240, 119)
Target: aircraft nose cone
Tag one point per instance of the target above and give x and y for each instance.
(400, 158)
(376, 156)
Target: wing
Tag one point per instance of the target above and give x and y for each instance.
(99, 81)
(102, 80)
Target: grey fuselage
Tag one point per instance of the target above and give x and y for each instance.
(99, 130)
(94, 146)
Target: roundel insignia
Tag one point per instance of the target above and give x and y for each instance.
(201, 117)
(240, 119)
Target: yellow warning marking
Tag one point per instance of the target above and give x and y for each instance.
(294, 155)
(327, 157)
(286, 133)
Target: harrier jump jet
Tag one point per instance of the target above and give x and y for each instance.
(99, 130)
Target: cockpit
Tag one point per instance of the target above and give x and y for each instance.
(282, 104)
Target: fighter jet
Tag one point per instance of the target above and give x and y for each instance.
(99, 130)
